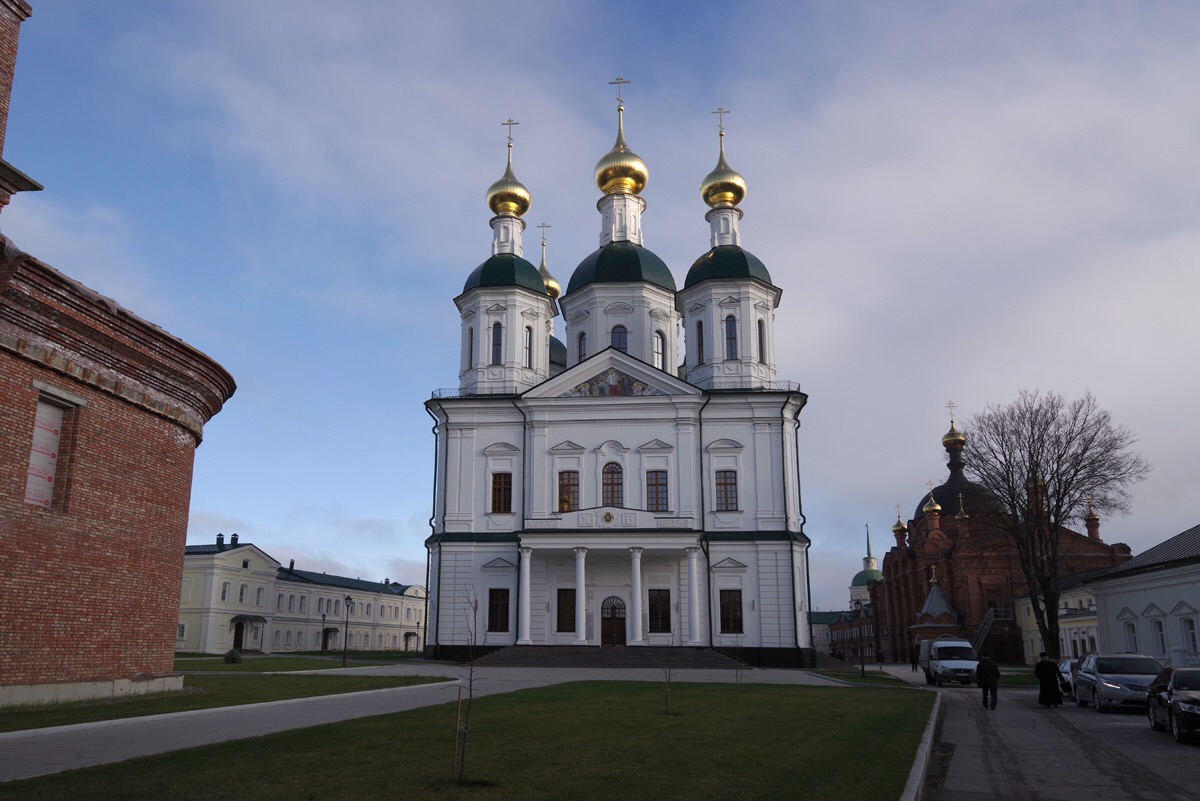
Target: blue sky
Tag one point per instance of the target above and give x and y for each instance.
(959, 201)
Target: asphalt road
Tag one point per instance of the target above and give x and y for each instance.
(1027, 752)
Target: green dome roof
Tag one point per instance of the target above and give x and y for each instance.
(558, 351)
(727, 261)
(863, 577)
(505, 269)
(621, 262)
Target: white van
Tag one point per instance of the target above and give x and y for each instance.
(948, 659)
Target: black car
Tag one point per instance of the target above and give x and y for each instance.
(1174, 702)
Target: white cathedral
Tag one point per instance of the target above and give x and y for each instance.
(596, 493)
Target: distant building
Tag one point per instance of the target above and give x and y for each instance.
(237, 596)
(102, 414)
(1151, 604)
(1078, 632)
(973, 567)
(820, 622)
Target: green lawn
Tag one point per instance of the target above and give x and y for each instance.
(185, 663)
(199, 692)
(591, 740)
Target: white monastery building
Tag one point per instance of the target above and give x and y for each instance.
(594, 493)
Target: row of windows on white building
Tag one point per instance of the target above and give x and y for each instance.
(290, 602)
(612, 490)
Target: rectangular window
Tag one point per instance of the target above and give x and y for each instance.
(1160, 637)
(242, 594)
(181, 631)
(528, 347)
(727, 500)
(258, 597)
(566, 610)
(1131, 637)
(302, 599)
(226, 587)
(568, 490)
(1187, 627)
(660, 611)
(498, 609)
(43, 455)
(731, 611)
(656, 491)
(279, 602)
(501, 493)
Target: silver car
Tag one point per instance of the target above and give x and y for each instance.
(1109, 681)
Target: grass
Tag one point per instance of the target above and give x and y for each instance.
(199, 692)
(855, 677)
(263, 664)
(595, 740)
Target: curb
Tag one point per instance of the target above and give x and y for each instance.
(914, 789)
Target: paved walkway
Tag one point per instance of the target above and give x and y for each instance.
(24, 754)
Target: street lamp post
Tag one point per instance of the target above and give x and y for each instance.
(862, 656)
(346, 635)
(322, 635)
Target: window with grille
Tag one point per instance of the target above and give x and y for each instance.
(731, 611)
(501, 492)
(565, 619)
(498, 609)
(730, 337)
(727, 500)
(497, 344)
(659, 609)
(762, 342)
(582, 346)
(660, 348)
(612, 485)
(568, 490)
(528, 346)
(656, 491)
(699, 343)
(620, 338)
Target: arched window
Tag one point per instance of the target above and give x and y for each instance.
(497, 342)
(730, 337)
(660, 347)
(528, 346)
(612, 486)
(582, 346)
(699, 343)
(620, 338)
(762, 342)
(470, 348)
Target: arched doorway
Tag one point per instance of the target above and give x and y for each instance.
(612, 621)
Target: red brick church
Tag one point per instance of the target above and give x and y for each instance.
(951, 573)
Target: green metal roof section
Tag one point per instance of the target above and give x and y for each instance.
(862, 577)
(727, 261)
(621, 263)
(505, 269)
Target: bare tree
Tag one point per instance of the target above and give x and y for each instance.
(462, 724)
(1045, 463)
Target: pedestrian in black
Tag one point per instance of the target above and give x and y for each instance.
(988, 676)
(1049, 679)
(916, 655)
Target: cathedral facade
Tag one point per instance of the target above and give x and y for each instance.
(591, 490)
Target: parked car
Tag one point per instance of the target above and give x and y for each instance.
(1114, 680)
(1173, 702)
(1067, 669)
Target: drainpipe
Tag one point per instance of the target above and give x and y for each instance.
(524, 505)
(433, 533)
(703, 517)
(803, 520)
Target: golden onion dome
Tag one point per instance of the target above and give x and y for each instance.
(621, 171)
(508, 197)
(553, 288)
(723, 187)
(954, 438)
(898, 527)
(932, 506)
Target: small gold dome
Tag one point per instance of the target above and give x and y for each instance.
(898, 527)
(723, 187)
(508, 197)
(621, 171)
(954, 438)
(932, 506)
(553, 288)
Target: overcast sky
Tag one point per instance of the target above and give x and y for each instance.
(958, 200)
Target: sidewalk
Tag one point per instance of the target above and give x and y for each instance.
(24, 754)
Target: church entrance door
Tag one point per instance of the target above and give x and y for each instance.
(612, 621)
(239, 634)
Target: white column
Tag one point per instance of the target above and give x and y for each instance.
(635, 602)
(693, 555)
(523, 599)
(580, 597)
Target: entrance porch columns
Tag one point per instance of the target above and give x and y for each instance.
(523, 599)
(580, 597)
(635, 573)
(693, 555)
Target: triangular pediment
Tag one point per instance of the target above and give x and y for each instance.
(468, 315)
(730, 301)
(730, 564)
(611, 373)
(1153, 611)
(566, 446)
(695, 307)
(497, 308)
(1126, 614)
(656, 445)
(1183, 608)
(499, 564)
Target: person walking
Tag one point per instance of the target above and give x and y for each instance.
(916, 655)
(1049, 679)
(987, 673)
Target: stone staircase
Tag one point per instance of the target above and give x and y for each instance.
(583, 656)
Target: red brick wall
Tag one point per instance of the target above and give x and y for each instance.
(91, 585)
(12, 14)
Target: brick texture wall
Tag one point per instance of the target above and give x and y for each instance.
(12, 14)
(91, 583)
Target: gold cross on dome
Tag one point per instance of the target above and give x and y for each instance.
(619, 82)
(721, 112)
(951, 405)
(543, 226)
(897, 510)
(510, 122)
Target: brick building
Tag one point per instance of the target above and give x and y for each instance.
(971, 569)
(103, 412)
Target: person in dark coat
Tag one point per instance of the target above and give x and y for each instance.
(987, 673)
(1049, 678)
